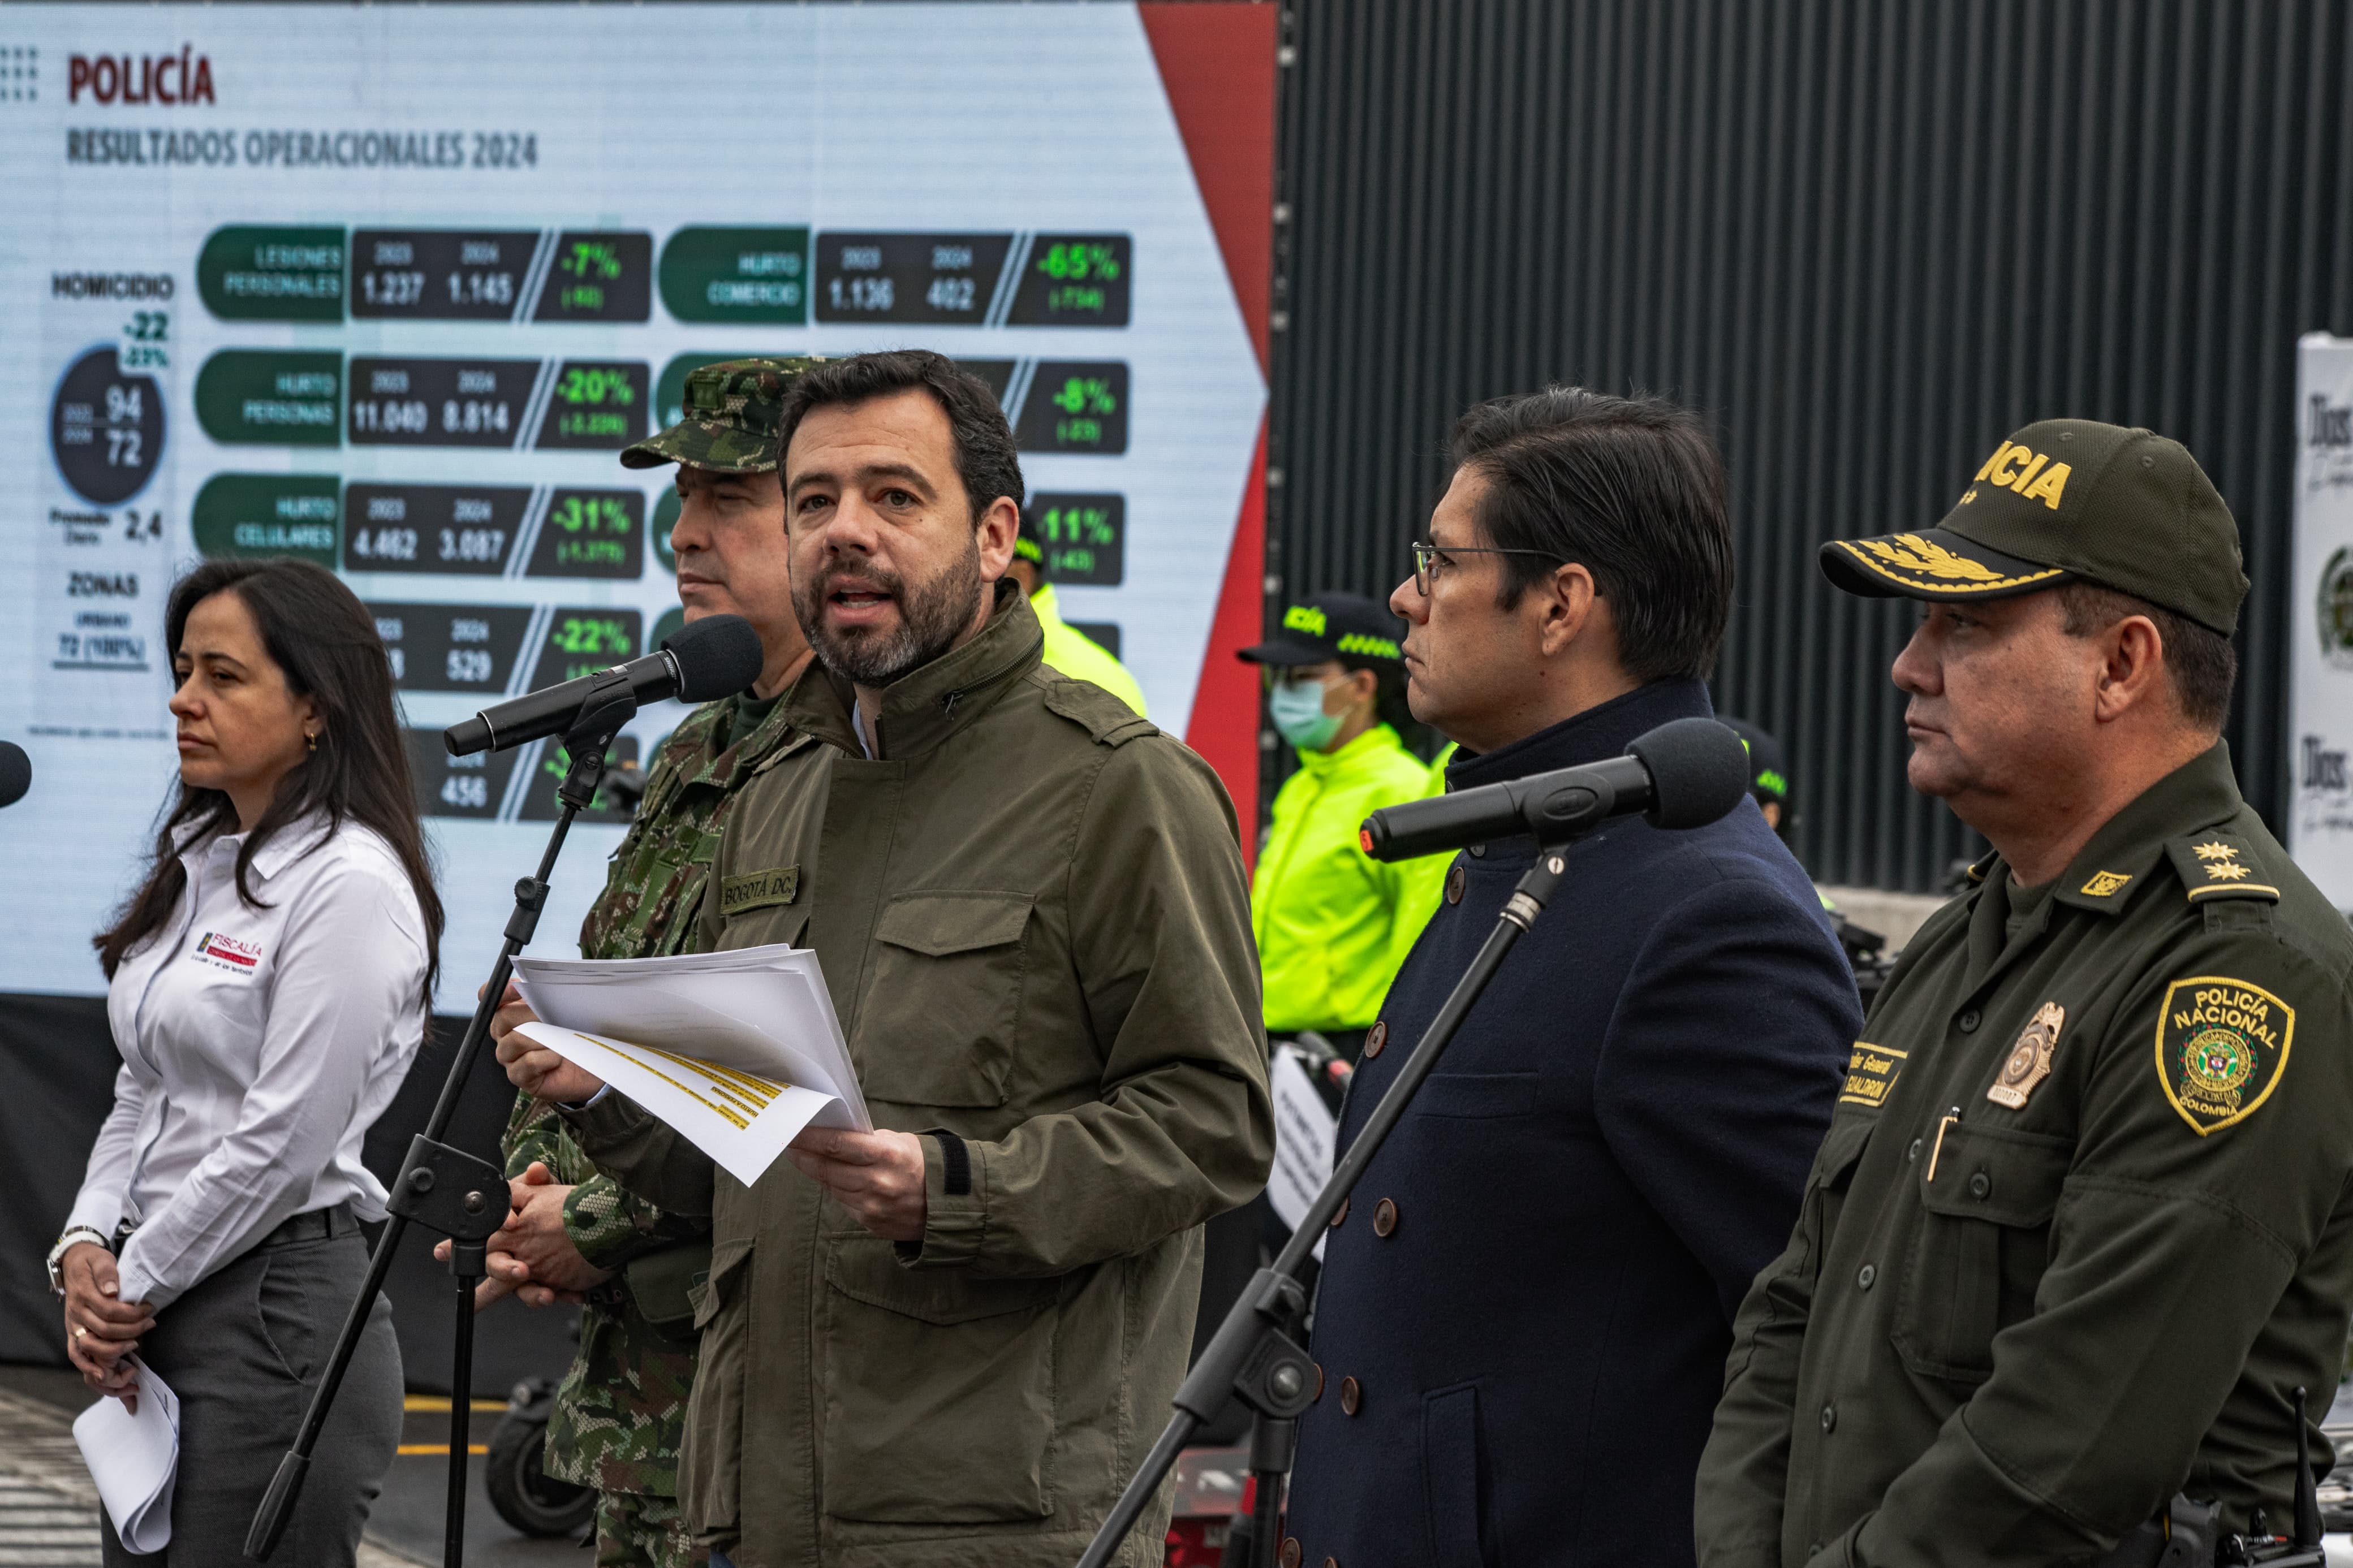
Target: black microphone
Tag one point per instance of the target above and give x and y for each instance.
(1684, 774)
(715, 656)
(15, 773)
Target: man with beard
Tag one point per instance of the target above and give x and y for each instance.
(950, 1339)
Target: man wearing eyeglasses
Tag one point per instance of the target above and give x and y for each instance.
(1525, 1307)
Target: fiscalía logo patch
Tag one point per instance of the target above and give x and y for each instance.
(227, 952)
(2221, 1047)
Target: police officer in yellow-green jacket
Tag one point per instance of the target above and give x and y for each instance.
(1067, 650)
(1333, 924)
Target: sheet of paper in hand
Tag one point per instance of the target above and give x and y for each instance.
(738, 1051)
(134, 1460)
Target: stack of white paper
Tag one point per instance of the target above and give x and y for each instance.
(133, 1460)
(738, 1051)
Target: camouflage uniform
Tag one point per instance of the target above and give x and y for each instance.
(619, 1417)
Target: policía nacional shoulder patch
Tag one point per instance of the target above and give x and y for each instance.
(2221, 1049)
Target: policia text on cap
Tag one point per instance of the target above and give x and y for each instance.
(2082, 1219)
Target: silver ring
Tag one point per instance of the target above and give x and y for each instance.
(79, 1331)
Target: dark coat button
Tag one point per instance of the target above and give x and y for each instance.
(1981, 1184)
(1331, 1563)
(1319, 1384)
(1352, 1394)
(1385, 1217)
(1969, 1021)
(1914, 1152)
(1829, 1417)
(1863, 1279)
(1454, 880)
(1376, 1039)
(1340, 1213)
(1289, 1555)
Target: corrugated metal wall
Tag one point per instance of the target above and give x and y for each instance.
(1867, 238)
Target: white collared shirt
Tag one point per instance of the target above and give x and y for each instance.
(258, 1045)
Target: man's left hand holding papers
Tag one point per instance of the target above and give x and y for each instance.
(877, 1176)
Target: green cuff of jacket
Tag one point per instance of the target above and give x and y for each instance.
(598, 1217)
(611, 1118)
(956, 1205)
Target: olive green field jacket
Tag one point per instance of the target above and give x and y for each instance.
(1033, 920)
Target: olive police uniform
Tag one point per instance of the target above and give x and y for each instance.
(2083, 1216)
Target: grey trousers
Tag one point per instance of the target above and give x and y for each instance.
(242, 1352)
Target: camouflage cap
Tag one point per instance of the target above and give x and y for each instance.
(733, 412)
(2065, 500)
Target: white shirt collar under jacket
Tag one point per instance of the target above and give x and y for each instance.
(258, 1047)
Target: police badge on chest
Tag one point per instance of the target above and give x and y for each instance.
(2028, 1062)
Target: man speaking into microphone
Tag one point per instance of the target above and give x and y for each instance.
(1526, 1306)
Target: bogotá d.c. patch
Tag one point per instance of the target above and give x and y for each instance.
(2221, 1047)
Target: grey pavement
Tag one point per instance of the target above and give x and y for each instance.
(49, 1509)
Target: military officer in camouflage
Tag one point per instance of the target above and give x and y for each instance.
(2082, 1219)
(619, 1418)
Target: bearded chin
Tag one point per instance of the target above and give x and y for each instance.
(932, 615)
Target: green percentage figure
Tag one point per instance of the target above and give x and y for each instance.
(591, 259)
(594, 385)
(591, 514)
(1072, 261)
(1076, 525)
(1085, 395)
(593, 635)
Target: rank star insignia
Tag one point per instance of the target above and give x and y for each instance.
(2028, 1062)
(2221, 1047)
(2226, 871)
(2216, 851)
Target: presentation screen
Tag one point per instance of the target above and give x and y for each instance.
(388, 288)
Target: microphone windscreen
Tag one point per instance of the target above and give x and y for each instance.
(15, 773)
(1699, 771)
(717, 656)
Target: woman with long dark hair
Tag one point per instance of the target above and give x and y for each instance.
(269, 985)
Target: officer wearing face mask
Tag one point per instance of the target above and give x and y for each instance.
(1333, 924)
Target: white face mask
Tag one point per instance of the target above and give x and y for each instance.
(1297, 709)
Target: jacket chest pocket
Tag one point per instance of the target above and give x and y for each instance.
(944, 997)
(1981, 1248)
(939, 1390)
(1841, 1152)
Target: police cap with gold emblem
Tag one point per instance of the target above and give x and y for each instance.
(2068, 501)
(733, 413)
(1331, 625)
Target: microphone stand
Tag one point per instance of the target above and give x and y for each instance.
(1253, 1357)
(443, 1188)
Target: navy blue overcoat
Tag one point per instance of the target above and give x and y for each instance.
(1523, 1314)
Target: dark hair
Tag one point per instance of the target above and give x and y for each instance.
(325, 642)
(1631, 488)
(2199, 660)
(986, 459)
